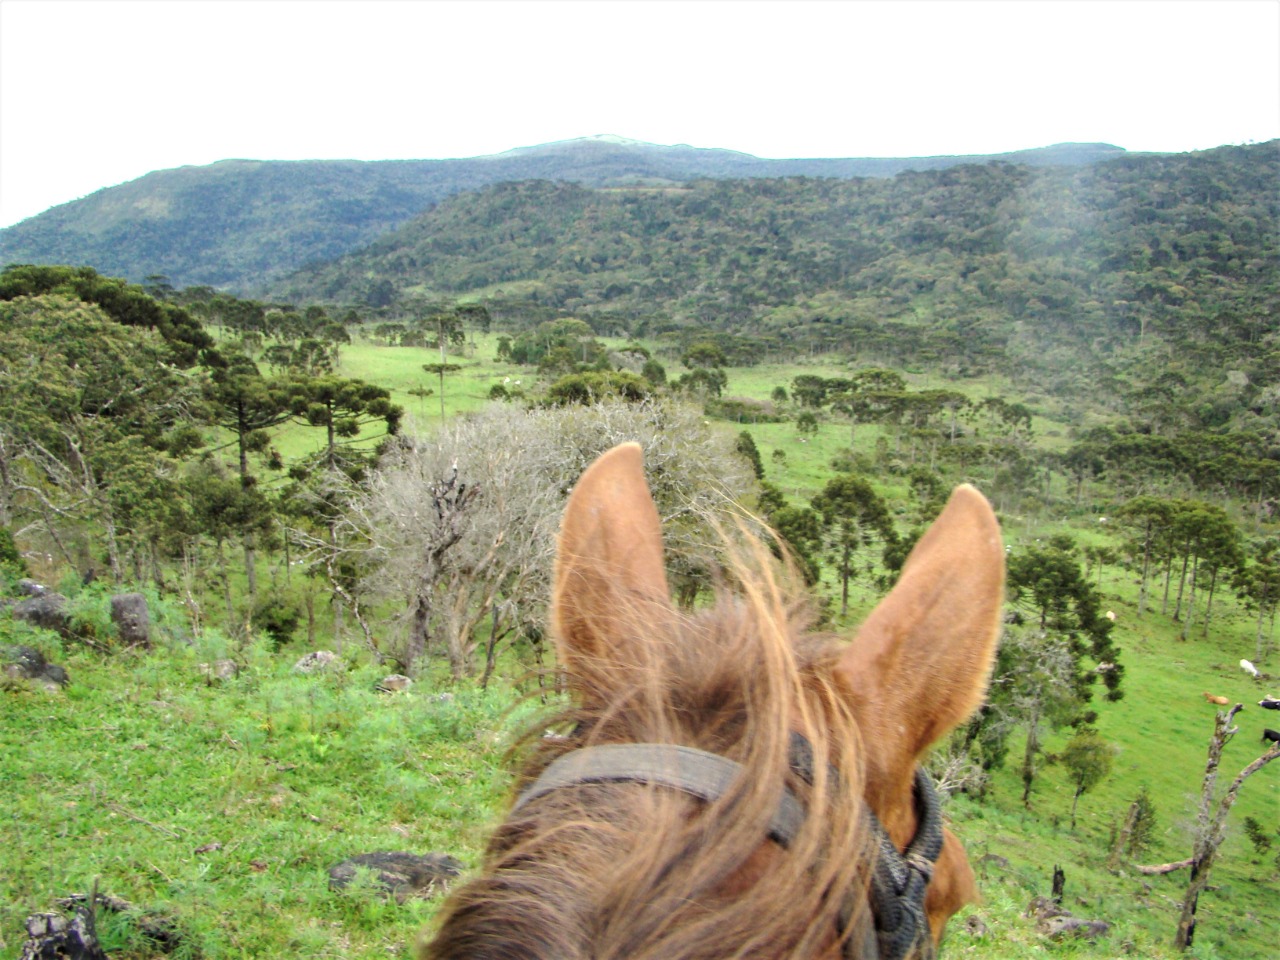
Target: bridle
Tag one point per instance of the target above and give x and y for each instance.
(899, 881)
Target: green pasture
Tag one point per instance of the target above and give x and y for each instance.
(142, 763)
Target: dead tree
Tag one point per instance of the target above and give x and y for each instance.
(1211, 824)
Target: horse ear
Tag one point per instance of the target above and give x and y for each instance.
(609, 572)
(920, 663)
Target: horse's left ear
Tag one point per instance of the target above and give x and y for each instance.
(609, 574)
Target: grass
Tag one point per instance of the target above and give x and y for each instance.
(142, 761)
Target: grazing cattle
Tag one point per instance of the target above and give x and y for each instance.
(1111, 615)
(1269, 703)
(1249, 668)
(1220, 701)
(713, 788)
(1271, 735)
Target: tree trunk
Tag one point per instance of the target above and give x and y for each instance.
(1208, 607)
(1182, 586)
(1191, 600)
(226, 588)
(1126, 831)
(1211, 821)
(1029, 759)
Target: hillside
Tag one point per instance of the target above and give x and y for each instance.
(1058, 275)
(237, 224)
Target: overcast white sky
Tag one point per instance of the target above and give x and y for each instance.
(97, 92)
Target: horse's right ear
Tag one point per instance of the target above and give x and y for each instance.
(920, 663)
(609, 574)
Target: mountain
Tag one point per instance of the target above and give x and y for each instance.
(238, 224)
(1054, 272)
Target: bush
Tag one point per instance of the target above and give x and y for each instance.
(277, 616)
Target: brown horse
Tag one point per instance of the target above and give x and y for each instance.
(730, 785)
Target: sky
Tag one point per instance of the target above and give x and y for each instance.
(94, 93)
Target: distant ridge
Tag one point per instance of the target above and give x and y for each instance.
(239, 224)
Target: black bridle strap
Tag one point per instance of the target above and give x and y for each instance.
(704, 775)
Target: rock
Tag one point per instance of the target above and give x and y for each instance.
(403, 875)
(130, 615)
(29, 588)
(47, 610)
(220, 669)
(1043, 908)
(28, 663)
(1074, 928)
(313, 662)
(974, 925)
(51, 936)
(161, 929)
(394, 683)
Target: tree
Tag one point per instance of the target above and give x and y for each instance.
(1211, 823)
(746, 445)
(853, 515)
(1257, 584)
(239, 399)
(343, 407)
(440, 369)
(1088, 759)
(93, 415)
(467, 555)
(1033, 686)
(704, 354)
(1147, 518)
(124, 302)
(1048, 580)
(593, 386)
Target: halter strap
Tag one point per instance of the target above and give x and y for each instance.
(707, 776)
(899, 881)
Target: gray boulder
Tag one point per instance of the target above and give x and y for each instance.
(130, 615)
(27, 663)
(47, 610)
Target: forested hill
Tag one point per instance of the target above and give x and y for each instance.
(1047, 270)
(237, 224)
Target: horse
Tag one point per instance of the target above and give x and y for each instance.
(727, 782)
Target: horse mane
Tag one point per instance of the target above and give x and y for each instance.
(610, 871)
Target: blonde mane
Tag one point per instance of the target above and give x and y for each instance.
(614, 870)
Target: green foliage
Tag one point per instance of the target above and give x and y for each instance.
(702, 382)
(1143, 833)
(592, 387)
(853, 516)
(235, 223)
(654, 372)
(746, 445)
(1048, 580)
(277, 614)
(12, 566)
(1088, 760)
(123, 302)
(1258, 835)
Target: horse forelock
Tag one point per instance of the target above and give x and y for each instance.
(635, 870)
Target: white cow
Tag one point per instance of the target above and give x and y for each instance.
(1248, 668)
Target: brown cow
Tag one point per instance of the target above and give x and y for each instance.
(1220, 701)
